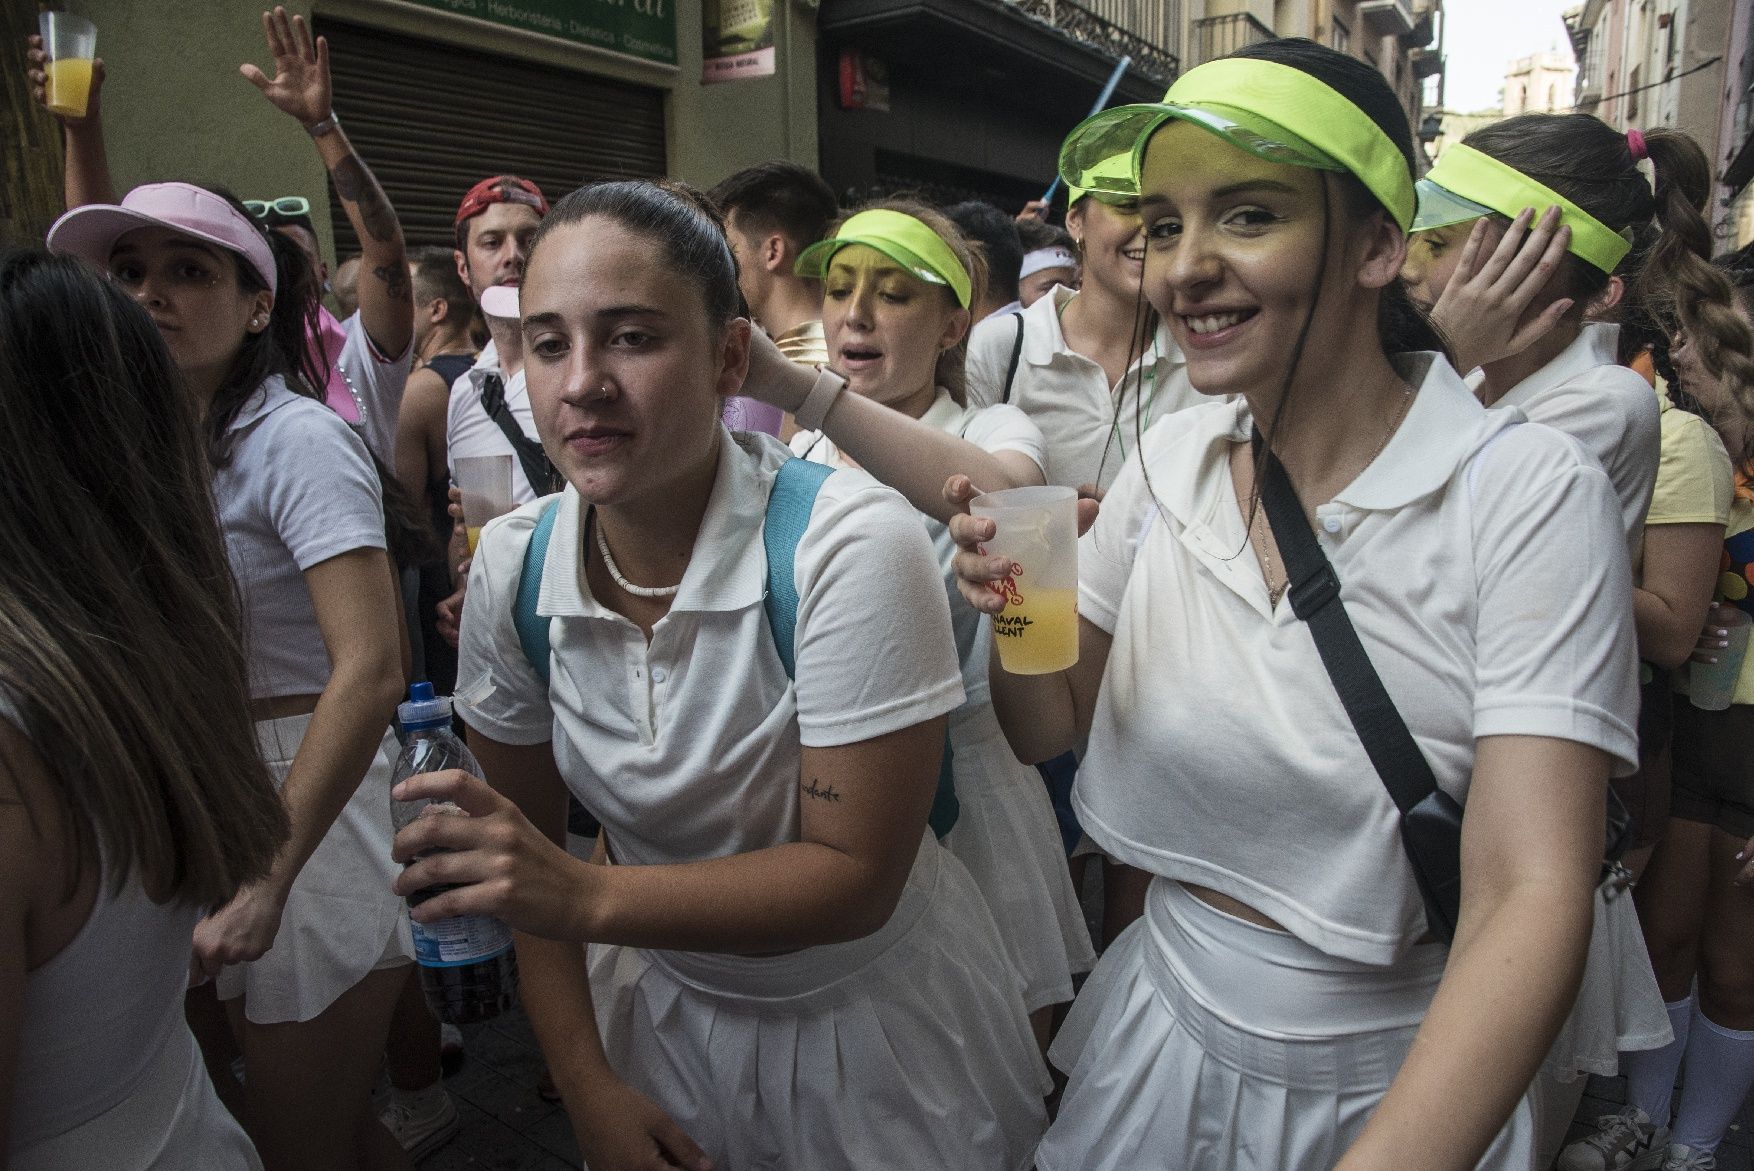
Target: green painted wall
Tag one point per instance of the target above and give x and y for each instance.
(175, 106)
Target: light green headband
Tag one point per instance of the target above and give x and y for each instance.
(1272, 111)
(902, 238)
(1467, 184)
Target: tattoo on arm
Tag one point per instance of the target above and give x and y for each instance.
(358, 186)
(395, 278)
(350, 178)
(821, 793)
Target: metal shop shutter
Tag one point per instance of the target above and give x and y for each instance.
(431, 119)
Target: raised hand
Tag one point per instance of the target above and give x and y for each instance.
(1481, 309)
(300, 86)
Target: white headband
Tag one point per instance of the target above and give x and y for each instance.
(1055, 257)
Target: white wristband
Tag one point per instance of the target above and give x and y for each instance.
(824, 393)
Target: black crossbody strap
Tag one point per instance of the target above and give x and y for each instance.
(537, 469)
(1016, 353)
(1315, 598)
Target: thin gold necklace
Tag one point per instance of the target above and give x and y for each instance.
(1259, 527)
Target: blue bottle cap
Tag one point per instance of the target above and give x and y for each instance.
(423, 709)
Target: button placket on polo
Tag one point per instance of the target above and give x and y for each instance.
(637, 653)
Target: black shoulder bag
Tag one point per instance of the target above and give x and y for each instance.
(537, 468)
(1431, 820)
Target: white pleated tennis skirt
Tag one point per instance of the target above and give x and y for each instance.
(1205, 1043)
(908, 1048)
(1007, 837)
(342, 920)
(1619, 1007)
(171, 1121)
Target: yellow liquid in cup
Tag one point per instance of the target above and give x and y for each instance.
(474, 532)
(69, 86)
(1037, 633)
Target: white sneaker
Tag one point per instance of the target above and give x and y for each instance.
(1627, 1141)
(1680, 1158)
(421, 1132)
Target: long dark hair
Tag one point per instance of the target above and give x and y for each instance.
(120, 626)
(284, 348)
(1670, 282)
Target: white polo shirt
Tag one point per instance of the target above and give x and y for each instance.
(300, 489)
(1480, 561)
(374, 385)
(1605, 406)
(688, 747)
(470, 430)
(992, 429)
(1068, 395)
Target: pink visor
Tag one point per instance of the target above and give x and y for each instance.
(91, 232)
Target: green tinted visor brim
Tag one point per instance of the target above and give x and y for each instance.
(1105, 154)
(1440, 207)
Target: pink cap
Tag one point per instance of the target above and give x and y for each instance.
(90, 232)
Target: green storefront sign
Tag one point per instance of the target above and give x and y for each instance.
(639, 28)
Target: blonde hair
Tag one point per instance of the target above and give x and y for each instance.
(951, 371)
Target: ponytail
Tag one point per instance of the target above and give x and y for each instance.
(282, 348)
(1674, 287)
(1679, 287)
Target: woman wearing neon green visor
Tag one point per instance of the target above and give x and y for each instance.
(1286, 1002)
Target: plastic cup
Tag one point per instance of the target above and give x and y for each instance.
(70, 43)
(1712, 686)
(1036, 529)
(485, 482)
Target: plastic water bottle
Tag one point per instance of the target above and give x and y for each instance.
(467, 966)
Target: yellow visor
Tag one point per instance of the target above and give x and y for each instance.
(1467, 183)
(902, 238)
(1272, 111)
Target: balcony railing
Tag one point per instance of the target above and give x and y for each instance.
(1219, 36)
(1145, 30)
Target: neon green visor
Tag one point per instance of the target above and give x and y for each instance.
(1272, 111)
(1117, 168)
(1467, 184)
(902, 238)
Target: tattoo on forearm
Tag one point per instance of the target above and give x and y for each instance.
(349, 175)
(359, 186)
(395, 278)
(813, 789)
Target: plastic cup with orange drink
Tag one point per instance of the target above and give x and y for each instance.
(1036, 529)
(485, 482)
(70, 44)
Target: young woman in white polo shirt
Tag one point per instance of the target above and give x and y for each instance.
(1564, 370)
(310, 958)
(1281, 1003)
(789, 970)
(897, 281)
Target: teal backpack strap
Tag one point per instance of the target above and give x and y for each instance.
(788, 514)
(532, 627)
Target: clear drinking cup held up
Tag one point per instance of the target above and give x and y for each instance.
(1036, 529)
(485, 482)
(468, 969)
(70, 43)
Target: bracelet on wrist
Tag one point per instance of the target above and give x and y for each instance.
(327, 124)
(824, 393)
